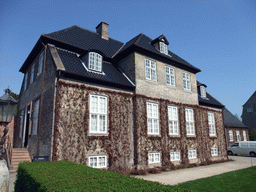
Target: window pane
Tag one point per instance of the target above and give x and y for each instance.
(102, 123)
(94, 123)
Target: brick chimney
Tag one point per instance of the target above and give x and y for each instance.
(102, 29)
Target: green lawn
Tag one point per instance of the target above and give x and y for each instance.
(241, 180)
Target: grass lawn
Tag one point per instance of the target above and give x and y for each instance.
(241, 180)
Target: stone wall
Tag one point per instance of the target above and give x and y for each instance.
(230, 142)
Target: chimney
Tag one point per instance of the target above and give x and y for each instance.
(102, 29)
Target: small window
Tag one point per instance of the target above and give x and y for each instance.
(153, 158)
(150, 69)
(153, 118)
(249, 110)
(95, 61)
(238, 136)
(173, 120)
(214, 151)
(203, 91)
(21, 122)
(32, 73)
(211, 122)
(98, 161)
(235, 145)
(175, 156)
(163, 48)
(230, 132)
(192, 154)
(35, 117)
(40, 64)
(25, 81)
(170, 76)
(186, 81)
(244, 135)
(98, 114)
(190, 122)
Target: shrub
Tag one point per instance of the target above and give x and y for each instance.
(153, 170)
(138, 172)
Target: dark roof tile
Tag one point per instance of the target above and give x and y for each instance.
(231, 121)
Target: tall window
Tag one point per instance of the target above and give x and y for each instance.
(25, 81)
(190, 122)
(238, 136)
(150, 70)
(32, 73)
(98, 114)
(230, 132)
(95, 61)
(175, 156)
(212, 130)
(203, 91)
(214, 151)
(153, 158)
(40, 64)
(244, 135)
(170, 76)
(186, 81)
(153, 118)
(21, 122)
(173, 120)
(98, 161)
(35, 117)
(192, 154)
(163, 48)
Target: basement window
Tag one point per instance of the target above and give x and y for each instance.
(98, 161)
(192, 154)
(153, 158)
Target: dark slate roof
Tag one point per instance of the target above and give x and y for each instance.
(210, 101)
(73, 65)
(198, 84)
(231, 121)
(86, 40)
(144, 42)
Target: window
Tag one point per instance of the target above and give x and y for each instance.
(175, 156)
(98, 161)
(244, 134)
(170, 77)
(214, 151)
(95, 61)
(25, 81)
(98, 114)
(153, 118)
(150, 70)
(153, 158)
(190, 122)
(35, 117)
(41, 62)
(203, 91)
(238, 136)
(192, 154)
(186, 81)
(163, 48)
(173, 120)
(211, 122)
(32, 73)
(230, 132)
(21, 122)
(249, 110)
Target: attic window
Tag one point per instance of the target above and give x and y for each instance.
(203, 91)
(95, 61)
(163, 48)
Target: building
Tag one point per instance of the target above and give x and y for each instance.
(94, 100)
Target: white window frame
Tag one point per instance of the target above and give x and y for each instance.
(249, 110)
(40, 63)
(21, 123)
(152, 118)
(35, 117)
(32, 73)
(244, 135)
(154, 158)
(97, 163)
(26, 81)
(95, 61)
(230, 133)
(163, 48)
(214, 151)
(170, 76)
(190, 124)
(173, 120)
(211, 122)
(150, 70)
(186, 81)
(192, 154)
(99, 112)
(238, 137)
(203, 91)
(175, 156)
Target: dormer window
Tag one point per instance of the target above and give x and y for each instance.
(203, 91)
(163, 48)
(95, 61)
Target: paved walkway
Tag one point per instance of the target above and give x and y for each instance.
(183, 175)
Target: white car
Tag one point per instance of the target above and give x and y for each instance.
(243, 148)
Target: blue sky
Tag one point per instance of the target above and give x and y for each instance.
(218, 37)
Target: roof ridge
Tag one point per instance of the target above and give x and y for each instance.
(138, 38)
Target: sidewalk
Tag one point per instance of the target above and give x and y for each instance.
(12, 180)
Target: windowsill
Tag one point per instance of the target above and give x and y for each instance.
(151, 81)
(97, 134)
(187, 90)
(174, 135)
(154, 135)
(191, 136)
(213, 136)
(171, 86)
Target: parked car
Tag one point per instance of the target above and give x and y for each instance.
(243, 148)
